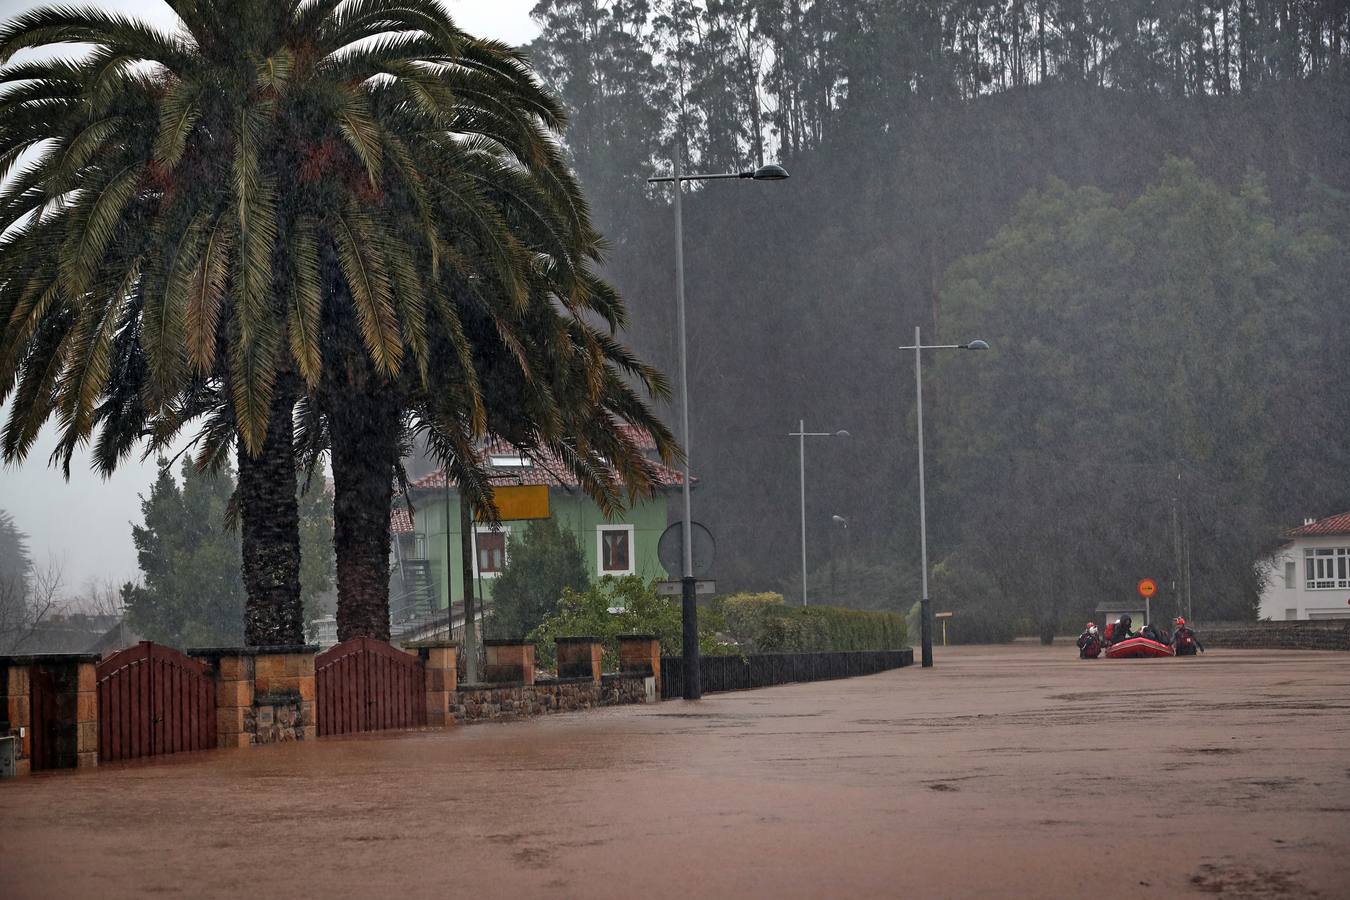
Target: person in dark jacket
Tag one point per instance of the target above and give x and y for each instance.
(1184, 639)
(1155, 634)
(1122, 630)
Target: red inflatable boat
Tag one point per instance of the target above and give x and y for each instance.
(1137, 648)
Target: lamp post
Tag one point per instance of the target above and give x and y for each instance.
(802, 434)
(925, 607)
(848, 552)
(693, 682)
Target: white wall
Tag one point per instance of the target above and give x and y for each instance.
(1277, 599)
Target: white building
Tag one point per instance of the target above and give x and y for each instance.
(1309, 577)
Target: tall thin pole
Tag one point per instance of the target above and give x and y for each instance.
(449, 568)
(693, 683)
(468, 551)
(925, 617)
(801, 438)
(1176, 547)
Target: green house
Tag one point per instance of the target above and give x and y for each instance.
(427, 564)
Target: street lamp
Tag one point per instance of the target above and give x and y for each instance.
(802, 434)
(848, 552)
(693, 681)
(925, 607)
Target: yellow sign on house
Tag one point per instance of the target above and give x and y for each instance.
(522, 501)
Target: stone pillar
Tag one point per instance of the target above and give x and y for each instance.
(86, 714)
(640, 654)
(508, 661)
(580, 657)
(233, 670)
(18, 721)
(440, 662)
(263, 694)
(283, 694)
(69, 736)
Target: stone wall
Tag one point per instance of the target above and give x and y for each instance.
(278, 717)
(1326, 635)
(484, 702)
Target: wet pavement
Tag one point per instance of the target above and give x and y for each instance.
(1017, 771)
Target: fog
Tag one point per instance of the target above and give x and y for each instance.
(1142, 207)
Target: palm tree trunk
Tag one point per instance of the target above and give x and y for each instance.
(364, 424)
(270, 518)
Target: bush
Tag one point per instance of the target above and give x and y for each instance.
(624, 605)
(543, 563)
(763, 623)
(981, 614)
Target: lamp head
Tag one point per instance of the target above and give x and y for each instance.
(975, 345)
(840, 519)
(842, 433)
(769, 173)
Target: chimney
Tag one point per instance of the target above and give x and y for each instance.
(1307, 521)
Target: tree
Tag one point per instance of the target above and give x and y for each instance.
(191, 591)
(1149, 406)
(287, 198)
(27, 596)
(16, 566)
(544, 561)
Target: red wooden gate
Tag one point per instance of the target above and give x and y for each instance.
(42, 719)
(366, 685)
(154, 700)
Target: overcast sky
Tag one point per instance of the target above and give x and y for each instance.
(85, 524)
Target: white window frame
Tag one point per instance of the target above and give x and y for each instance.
(505, 531)
(510, 461)
(1326, 568)
(600, 550)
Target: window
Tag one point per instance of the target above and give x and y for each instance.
(509, 461)
(1290, 574)
(1291, 615)
(1326, 568)
(491, 556)
(614, 549)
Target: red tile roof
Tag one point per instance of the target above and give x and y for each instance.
(640, 437)
(547, 469)
(1331, 525)
(400, 520)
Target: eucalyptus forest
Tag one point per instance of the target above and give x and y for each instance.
(1143, 205)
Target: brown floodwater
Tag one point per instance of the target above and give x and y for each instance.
(1017, 771)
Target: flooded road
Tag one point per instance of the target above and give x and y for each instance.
(1013, 771)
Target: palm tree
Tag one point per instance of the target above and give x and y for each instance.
(325, 200)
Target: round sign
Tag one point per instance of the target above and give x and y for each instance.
(1148, 587)
(670, 549)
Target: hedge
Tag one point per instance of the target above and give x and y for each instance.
(763, 623)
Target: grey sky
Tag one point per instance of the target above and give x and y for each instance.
(85, 523)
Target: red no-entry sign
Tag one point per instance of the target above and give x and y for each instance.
(1148, 587)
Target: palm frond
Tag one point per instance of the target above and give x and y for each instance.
(363, 265)
(306, 304)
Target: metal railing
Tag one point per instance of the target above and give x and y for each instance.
(738, 673)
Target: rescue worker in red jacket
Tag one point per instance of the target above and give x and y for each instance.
(1090, 642)
(1184, 639)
